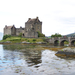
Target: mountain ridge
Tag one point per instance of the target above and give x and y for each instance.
(70, 35)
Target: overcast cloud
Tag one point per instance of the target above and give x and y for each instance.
(58, 16)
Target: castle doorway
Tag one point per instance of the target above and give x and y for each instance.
(23, 34)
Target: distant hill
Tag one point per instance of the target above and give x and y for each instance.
(1, 35)
(70, 35)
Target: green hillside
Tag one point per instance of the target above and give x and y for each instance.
(70, 35)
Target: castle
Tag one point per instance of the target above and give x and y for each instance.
(32, 27)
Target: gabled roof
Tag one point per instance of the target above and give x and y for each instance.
(9, 27)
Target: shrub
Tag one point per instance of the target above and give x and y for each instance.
(56, 35)
(44, 40)
(40, 34)
(27, 40)
(34, 39)
(6, 36)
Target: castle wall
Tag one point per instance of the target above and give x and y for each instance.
(7, 31)
(13, 31)
(31, 34)
(29, 31)
(19, 30)
(38, 28)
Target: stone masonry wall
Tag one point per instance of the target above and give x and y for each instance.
(7, 31)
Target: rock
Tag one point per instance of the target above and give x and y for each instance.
(41, 42)
(66, 52)
(7, 42)
(24, 42)
(17, 70)
(44, 42)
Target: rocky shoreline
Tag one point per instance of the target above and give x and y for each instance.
(24, 42)
(66, 52)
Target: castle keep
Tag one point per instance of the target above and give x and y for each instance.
(32, 27)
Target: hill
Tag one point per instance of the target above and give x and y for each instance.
(70, 35)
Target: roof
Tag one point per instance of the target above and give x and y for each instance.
(33, 20)
(9, 27)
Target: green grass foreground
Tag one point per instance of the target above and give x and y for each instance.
(20, 39)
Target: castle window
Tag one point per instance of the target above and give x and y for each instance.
(32, 28)
(22, 28)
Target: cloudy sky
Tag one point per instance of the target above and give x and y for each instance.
(58, 16)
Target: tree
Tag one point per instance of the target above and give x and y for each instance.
(56, 35)
(40, 34)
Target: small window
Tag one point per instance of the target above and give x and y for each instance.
(23, 34)
(32, 28)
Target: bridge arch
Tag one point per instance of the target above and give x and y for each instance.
(73, 43)
(56, 42)
(62, 42)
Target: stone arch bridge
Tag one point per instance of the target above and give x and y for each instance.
(60, 41)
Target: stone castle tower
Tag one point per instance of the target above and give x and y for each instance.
(32, 27)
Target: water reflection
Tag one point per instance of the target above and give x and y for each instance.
(29, 60)
(32, 57)
(1, 52)
(29, 54)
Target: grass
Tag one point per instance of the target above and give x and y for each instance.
(19, 39)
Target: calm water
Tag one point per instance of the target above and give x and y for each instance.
(33, 60)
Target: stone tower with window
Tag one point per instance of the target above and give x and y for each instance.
(32, 27)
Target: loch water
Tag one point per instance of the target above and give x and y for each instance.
(33, 60)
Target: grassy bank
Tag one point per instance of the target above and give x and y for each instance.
(20, 39)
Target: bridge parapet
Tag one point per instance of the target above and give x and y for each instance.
(63, 38)
(56, 38)
(71, 38)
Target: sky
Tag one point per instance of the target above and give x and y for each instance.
(57, 16)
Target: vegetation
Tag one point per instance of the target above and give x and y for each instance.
(6, 36)
(66, 42)
(40, 34)
(56, 35)
(20, 35)
(14, 39)
(34, 39)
